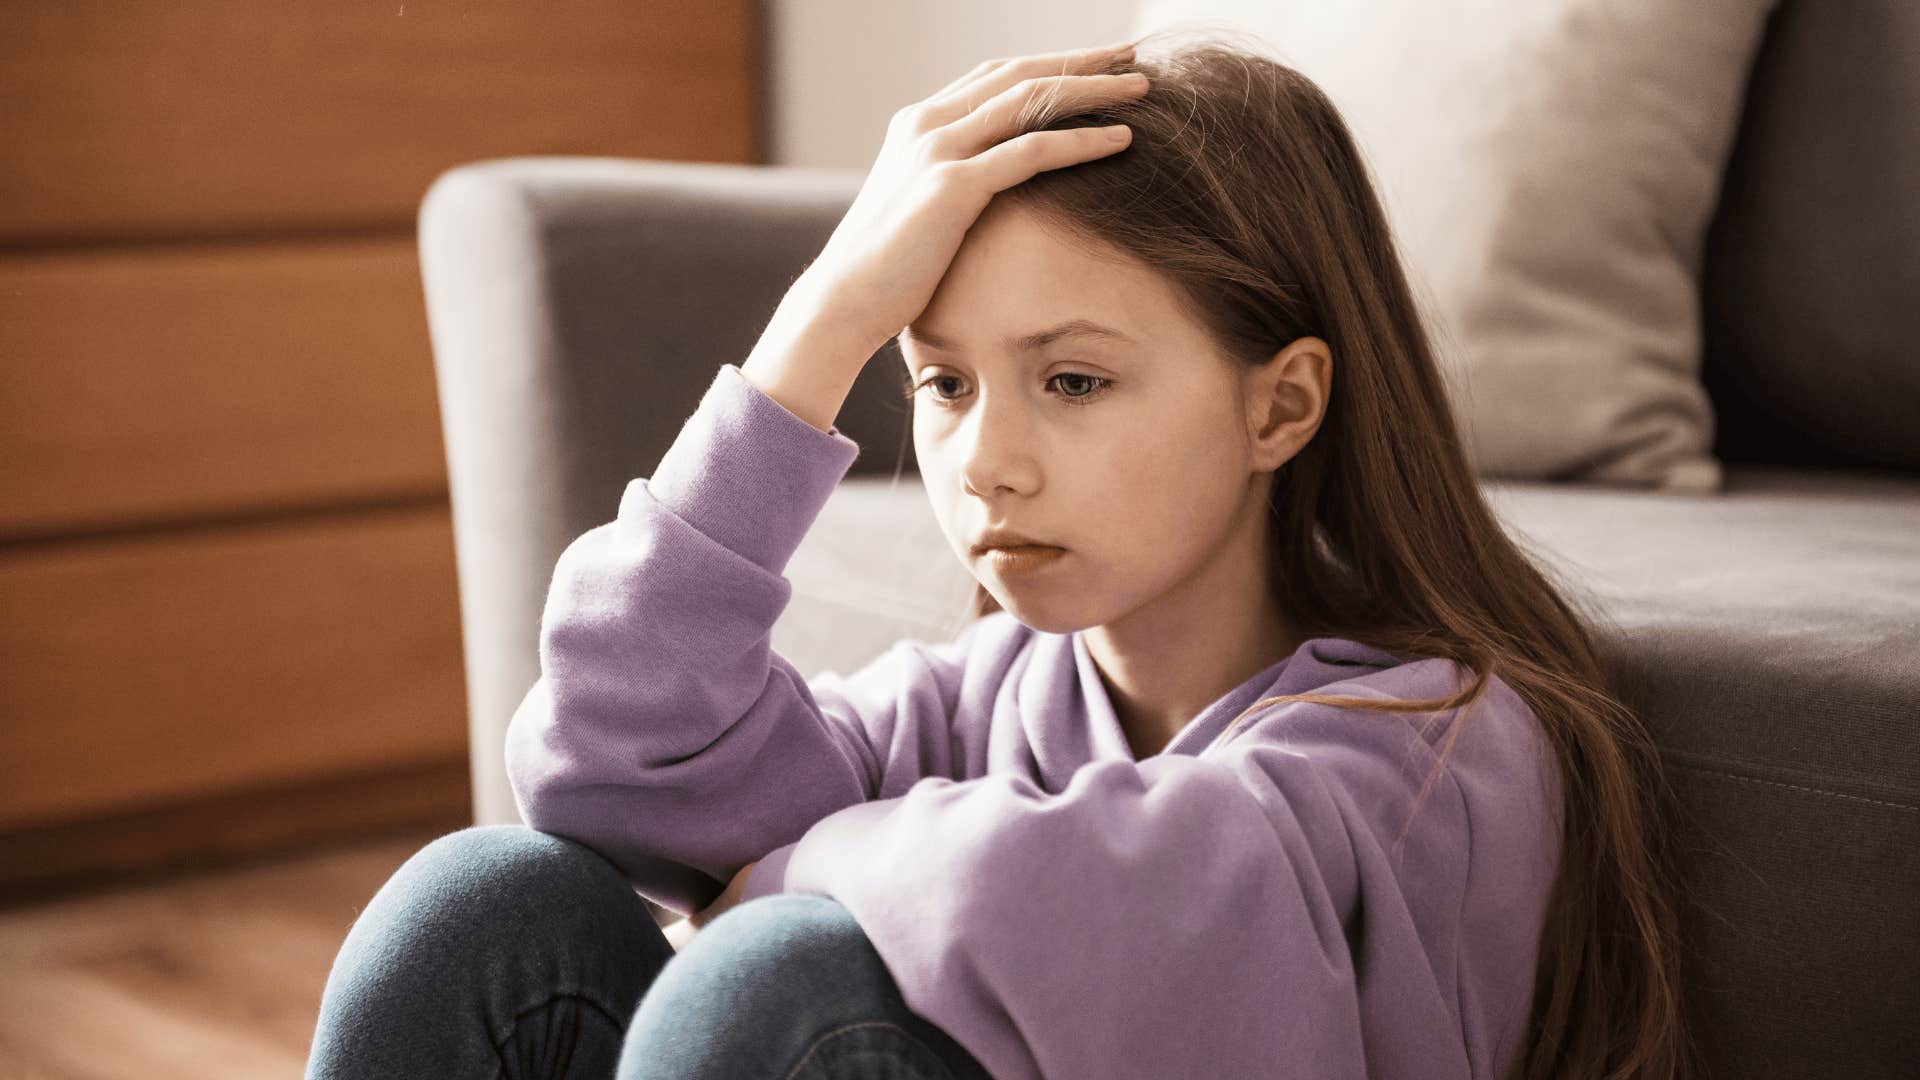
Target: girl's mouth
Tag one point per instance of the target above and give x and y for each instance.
(1022, 559)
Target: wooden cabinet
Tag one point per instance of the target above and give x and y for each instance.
(229, 623)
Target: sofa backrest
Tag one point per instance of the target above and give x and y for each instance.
(1811, 275)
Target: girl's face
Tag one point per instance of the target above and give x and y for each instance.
(1131, 449)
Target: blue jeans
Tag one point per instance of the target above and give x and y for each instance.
(501, 951)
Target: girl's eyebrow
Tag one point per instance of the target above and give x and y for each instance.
(1038, 339)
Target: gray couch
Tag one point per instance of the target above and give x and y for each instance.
(1769, 633)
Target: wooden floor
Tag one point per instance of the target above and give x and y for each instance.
(211, 976)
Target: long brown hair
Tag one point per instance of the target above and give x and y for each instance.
(1243, 186)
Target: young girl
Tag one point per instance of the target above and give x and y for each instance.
(1268, 753)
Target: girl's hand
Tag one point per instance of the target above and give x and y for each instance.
(943, 160)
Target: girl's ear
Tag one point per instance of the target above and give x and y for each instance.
(1286, 399)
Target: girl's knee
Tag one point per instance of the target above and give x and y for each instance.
(785, 975)
(490, 931)
(505, 852)
(482, 876)
(799, 917)
(803, 933)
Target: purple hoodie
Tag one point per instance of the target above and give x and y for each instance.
(1060, 908)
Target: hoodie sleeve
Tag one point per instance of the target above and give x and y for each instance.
(1175, 916)
(664, 731)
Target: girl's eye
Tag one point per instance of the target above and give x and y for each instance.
(1088, 387)
(1093, 384)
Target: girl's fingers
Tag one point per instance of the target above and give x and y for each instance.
(994, 122)
(1015, 160)
(927, 187)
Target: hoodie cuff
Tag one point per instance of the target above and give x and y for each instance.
(747, 472)
(769, 874)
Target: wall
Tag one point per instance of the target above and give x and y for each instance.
(839, 69)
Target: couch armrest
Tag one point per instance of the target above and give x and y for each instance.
(578, 307)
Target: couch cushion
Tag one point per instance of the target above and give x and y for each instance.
(873, 569)
(1769, 634)
(1548, 170)
(1813, 258)
(1792, 597)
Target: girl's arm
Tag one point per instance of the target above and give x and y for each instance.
(664, 731)
(1243, 913)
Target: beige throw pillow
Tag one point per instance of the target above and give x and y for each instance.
(1549, 169)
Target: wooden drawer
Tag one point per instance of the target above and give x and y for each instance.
(177, 383)
(229, 622)
(143, 670)
(199, 119)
